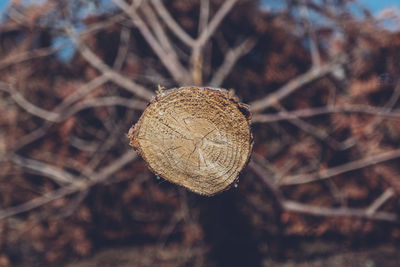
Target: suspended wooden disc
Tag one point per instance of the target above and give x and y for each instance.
(199, 138)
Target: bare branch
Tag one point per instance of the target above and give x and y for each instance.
(123, 48)
(351, 166)
(39, 201)
(291, 86)
(170, 63)
(197, 55)
(196, 61)
(314, 131)
(28, 55)
(315, 55)
(231, 57)
(117, 78)
(28, 106)
(77, 186)
(271, 187)
(293, 206)
(63, 114)
(58, 175)
(305, 113)
(389, 193)
(103, 102)
(387, 107)
(95, 27)
(171, 23)
(83, 90)
(204, 14)
(158, 29)
(214, 23)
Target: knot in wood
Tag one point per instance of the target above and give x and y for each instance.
(199, 138)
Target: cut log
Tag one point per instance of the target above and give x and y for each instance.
(199, 138)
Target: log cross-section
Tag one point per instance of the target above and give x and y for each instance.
(199, 138)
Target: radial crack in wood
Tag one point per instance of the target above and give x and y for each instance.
(199, 138)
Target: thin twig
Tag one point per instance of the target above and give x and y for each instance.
(169, 61)
(171, 23)
(116, 77)
(271, 187)
(28, 55)
(231, 57)
(60, 176)
(108, 144)
(75, 96)
(103, 102)
(215, 22)
(293, 206)
(72, 205)
(63, 114)
(305, 113)
(123, 48)
(204, 15)
(83, 90)
(292, 85)
(314, 131)
(104, 23)
(387, 107)
(351, 166)
(389, 193)
(159, 31)
(28, 106)
(315, 55)
(78, 186)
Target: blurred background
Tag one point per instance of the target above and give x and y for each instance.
(321, 77)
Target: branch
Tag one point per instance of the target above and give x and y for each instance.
(271, 187)
(231, 57)
(305, 113)
(64, 113)
(205, 34)
(341, 212)
(170, 63)
(315, 55)
(315, 132)
(117, 78)
(171, 23)
(380, 201)
(215, 21)
(294, 84)
(158, 29)
(58, 175)
(97, 26)
(78, 186)
(103, 102)
(292, 206)
(204, 15)
(123, 48)
(28, 106)
(83, 90)
(351, 166)
(28, 55)
(75, 96)
(370, 128)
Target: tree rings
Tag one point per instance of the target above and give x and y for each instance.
(199, 138)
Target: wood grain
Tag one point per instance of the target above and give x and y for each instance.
(199, 138)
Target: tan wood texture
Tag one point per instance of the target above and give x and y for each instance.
(199, 138)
